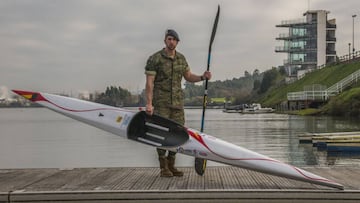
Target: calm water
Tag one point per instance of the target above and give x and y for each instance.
(40, 138)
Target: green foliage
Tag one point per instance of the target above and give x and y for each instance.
(269, 80)
(257, 84)
(239, 88)
(115, 96)
(326, 76)
(345, 104)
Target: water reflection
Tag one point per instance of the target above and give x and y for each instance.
(276, 135)
(41, 138)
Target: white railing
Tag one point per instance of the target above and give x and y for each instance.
(339, 86)
(294, 21)
(308, 95)
(324, 95)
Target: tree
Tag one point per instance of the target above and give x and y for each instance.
(257, 84)
(247, 74)
(256, 73)
(268, 80)
(115, 96)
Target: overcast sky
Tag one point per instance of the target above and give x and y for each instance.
(63, 46)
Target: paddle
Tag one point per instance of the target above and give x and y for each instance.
(200, 164)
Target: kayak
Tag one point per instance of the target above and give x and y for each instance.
(163, 133)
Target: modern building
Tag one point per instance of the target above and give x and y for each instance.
(308, 43)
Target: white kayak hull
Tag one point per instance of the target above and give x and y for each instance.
(163, 133)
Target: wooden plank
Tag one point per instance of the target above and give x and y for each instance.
(57, 180)
(250, 181)
(53, 182)
(149, 176)
(348, 176)
(161, 183)
(94, 180)
(180, 183)
(83, 179)
(351, 177)
(266, 181)
(243, 178)
(343, 175)
(20, 179)
(195, 182)
(261, 180)
(10, 179)
(265, 196)
(126, 182)
(227, 176)
(326, 173)
(105, 179)
(117, 176)
(284, 183)
(212, 179)
(135, 179)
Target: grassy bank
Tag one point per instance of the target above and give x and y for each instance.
(343, 104)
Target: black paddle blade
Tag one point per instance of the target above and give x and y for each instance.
(200, 166)
(156, 131)
(214, 27)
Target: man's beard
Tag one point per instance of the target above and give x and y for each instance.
(171, 47)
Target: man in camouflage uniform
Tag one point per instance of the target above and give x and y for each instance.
(164, 71)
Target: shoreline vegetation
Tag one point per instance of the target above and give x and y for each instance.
(268, 88)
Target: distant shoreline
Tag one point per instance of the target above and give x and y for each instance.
(185, 107)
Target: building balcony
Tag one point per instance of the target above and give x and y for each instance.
(298, 62)
(286, 36)
(331, 26)
(283, 49)
(292, 23)
(330, 52)
(287, 49)
(330, 39)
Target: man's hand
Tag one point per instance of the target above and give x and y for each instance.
(149, 109)
(207, 75)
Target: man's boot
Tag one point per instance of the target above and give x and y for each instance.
(171, 161)
(165, 172)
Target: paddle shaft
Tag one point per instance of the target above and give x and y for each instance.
(200, 164)
(208, 68)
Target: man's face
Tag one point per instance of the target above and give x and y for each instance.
(171, 42)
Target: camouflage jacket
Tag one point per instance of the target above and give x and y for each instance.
(168, 74)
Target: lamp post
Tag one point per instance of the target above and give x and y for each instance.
(349, 51)
(353, 18)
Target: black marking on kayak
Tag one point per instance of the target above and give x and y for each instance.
(156, 131)
(101, 115)
(33, 97)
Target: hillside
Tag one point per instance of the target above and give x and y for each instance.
(326, 76)
(345, 104)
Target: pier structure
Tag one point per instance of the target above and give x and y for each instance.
(219, 184)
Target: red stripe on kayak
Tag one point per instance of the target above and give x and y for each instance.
(197, 137)
(88, 110)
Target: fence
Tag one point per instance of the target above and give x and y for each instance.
(323, 95)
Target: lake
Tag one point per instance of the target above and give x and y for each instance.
(40, 138)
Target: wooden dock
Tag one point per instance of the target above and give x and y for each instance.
(220, 184)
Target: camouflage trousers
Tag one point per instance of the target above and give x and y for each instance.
(174, 114)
